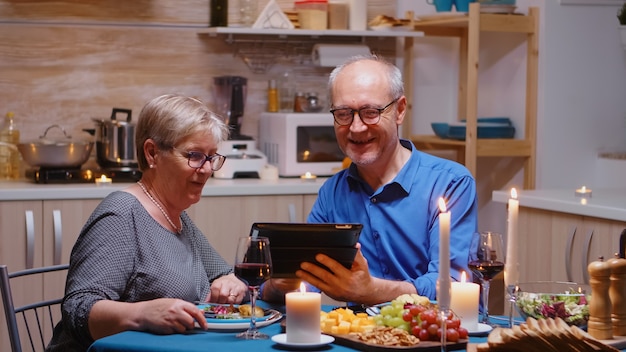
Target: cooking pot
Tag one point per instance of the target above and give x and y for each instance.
(115, 142)
(62, 152)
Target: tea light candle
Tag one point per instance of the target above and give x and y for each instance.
(308, 177)
(464, 302)
(443, 283)
(103, 181)
(303, 316)
(583, 192)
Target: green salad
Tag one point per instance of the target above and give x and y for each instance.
(571, 307)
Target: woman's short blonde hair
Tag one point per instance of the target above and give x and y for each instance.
(170, 118)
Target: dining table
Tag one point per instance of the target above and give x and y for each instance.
(225, 340)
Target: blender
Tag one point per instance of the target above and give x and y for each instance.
(243, 160)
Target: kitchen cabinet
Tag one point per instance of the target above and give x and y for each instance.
(468, 29)
(558, 246)
(39, 233)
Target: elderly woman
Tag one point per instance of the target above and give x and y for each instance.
(140, 261)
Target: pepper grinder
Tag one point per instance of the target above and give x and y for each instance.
(617, 293)
(600, 325)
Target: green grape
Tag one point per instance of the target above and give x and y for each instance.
(395, 322)
(386, 310)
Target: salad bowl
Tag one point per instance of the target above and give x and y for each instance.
(552, 299)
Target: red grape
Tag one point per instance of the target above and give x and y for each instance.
(452, 335)
(463, 333)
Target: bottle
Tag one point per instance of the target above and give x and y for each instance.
(299, 102)
(10, 160)
(312, 102)
(617, 293)
(600, 325)
(219, 13)
(272, 96)
(286, 90)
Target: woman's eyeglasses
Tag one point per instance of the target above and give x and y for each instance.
(369, 116)
(196, 160)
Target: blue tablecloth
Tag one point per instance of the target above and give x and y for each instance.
(202, 341)
(199, 341)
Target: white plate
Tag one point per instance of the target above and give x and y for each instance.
(281, 339)
(243, 324)
(441, 15)
(481, 330)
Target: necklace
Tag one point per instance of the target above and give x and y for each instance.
(143, 188)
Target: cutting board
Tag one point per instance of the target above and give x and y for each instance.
(423, 346)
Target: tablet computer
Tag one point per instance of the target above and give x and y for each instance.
(294, 243)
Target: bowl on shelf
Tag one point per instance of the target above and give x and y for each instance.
(552, 299)
(440, 129)
(486, 127)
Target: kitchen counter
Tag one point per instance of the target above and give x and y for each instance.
(24, 190)
(604, 203)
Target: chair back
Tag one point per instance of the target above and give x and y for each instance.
(35, 314)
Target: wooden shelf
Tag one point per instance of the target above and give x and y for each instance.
(500, 147)
(306, 32)
(468, 29)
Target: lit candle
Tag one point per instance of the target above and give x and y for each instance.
(464, 302)
(103, 181)
(511, 269)
(443, 284)
(308, 177)
(583, 192)
(303, 316)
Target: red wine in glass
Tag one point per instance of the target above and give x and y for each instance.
(486, 260)
(253, 274)
(486, 269)
(253, 265)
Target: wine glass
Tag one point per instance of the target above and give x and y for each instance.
(253, 265)
(486, 260)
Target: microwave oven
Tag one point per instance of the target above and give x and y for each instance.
(297, 143)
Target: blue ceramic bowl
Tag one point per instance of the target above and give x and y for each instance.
(440, 129)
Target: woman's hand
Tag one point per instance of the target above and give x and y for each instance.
(161, 316)
(227, 289)
(170, 315)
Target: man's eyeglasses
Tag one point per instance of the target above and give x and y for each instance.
(369, 116)
(196, 160)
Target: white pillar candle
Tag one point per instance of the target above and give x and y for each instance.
(511, 269)
(303, 316)
(443, 283)
(464, 302)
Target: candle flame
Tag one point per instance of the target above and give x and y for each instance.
(513, 193)
(442, 205)
(584, 189)
(463, 277)
(302, 287)
(103, 177)
(307, 174)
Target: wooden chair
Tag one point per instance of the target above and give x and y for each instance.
(35, 314)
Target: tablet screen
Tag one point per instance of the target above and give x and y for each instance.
(293, 243)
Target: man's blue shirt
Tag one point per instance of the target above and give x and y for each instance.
(400, 237)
